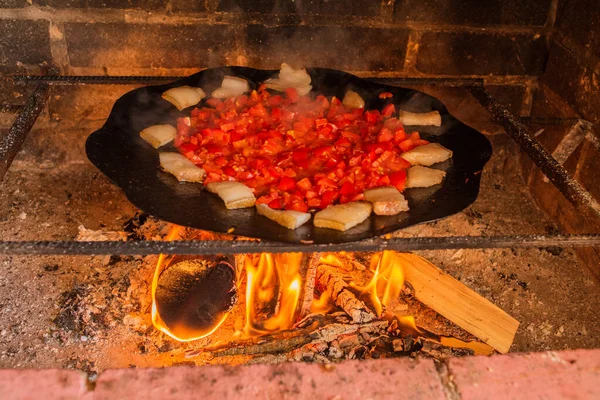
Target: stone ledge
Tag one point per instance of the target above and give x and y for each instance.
(570, 374)
(42, 384)
(551, 375)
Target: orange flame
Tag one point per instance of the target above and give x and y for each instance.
(157, 321)
(321, 305)
(271, 272)
(386, 282)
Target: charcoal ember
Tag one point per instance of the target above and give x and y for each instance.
(193, 294)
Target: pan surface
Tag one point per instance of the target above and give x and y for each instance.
(132, 164)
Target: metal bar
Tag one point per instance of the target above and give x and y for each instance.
(91, 80)
(124, 80)
(13, 140)
(549, 120)
(593, 139)
(448, 82)
(249, 246)
(556, 173)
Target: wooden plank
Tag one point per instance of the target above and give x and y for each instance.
(458, 303)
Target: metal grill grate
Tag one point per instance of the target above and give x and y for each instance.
(514, 127)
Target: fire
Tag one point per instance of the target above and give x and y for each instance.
(272, 281)
(387, 281)
(274, 286)
(157, 321)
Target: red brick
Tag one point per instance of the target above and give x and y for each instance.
(41, 384)
(327, 46)
(376, 379)
(550, 375)
(475, 12)
(128, 45)
(481, 53)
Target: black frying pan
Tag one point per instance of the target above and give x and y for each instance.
(131, 163)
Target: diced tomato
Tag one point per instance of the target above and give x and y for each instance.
(322, 151)
(296, 153)
(347, 189)
(321, 122)
(384, 180)
(215, 149)
(227, 170)
(314, 202)
(276, 204)
(244, 175)
(322, 101)
(385, 135)
(227, 127)
(292, 94)
(388, 111)
(385, 95)
(286, 184)
(406, 145)
(304, 184)
(326, 182)
(310, 194)
(187, 148)
(259, 162)
(398, 180)
(297, 205)
(290, 173)
(213, 102)
(399, 136)
(275, 100)
(221, 161)
(372, 117)
(327, 198)
(258, 110)
(415, 136)
(212, 177)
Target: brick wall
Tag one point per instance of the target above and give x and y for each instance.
(570, 87)
(573, 67)
(403, 37)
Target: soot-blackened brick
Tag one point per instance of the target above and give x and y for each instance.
(14, 3)
(305, 7)
(474, 12)
(511, 96)
(189, 6)
(580, 20)
(118, 4)
(351, 48)
(24, 42)
(122, 45)
(475, 53)
(574, 82)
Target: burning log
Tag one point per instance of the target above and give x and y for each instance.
(309, 272)
(287, 341)
(458, 303)
(194, 295)
(339, 291)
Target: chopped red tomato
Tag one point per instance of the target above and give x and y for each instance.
(294, 152)
(388, 111)
(398, 180)
(286, 184)
(385, 95)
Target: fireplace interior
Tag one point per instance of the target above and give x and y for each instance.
(71, 60)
